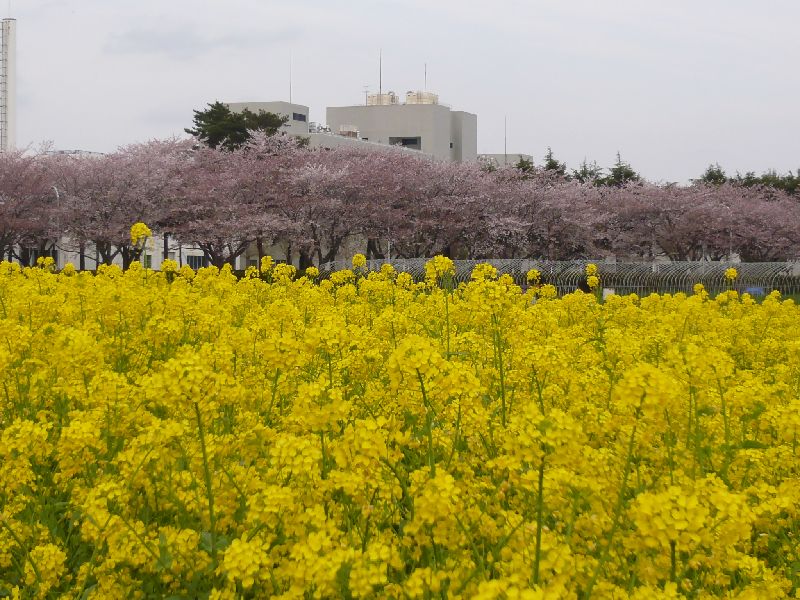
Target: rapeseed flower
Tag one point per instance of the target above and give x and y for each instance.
(365, 435)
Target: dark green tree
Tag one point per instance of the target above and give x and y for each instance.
(748, 179)
(789, 183)
(219, 126)
(553, 164)
(713, 175)
(620, 174)
(524, 165)
(588, 173)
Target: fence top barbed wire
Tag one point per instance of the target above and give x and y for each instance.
(621, 277)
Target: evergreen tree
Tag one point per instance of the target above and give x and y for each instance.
(713, 175)
(552, 164)
(588, 173)
(219, 126)
(620, 174)
(524, 165)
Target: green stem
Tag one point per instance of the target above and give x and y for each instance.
(539, 510)
(428, 424)
(447, 320)
(499, 346)
(672, 561)
(209, 492)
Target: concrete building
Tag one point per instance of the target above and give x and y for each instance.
(420, 124)
(8, 84)
(296, 113)
(319, 136)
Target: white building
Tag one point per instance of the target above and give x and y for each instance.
(8, 84)
(421, 124)
(297, 114)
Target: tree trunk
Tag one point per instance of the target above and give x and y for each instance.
(260, 249)
(374, 249)
(306, 259)
(82, 256)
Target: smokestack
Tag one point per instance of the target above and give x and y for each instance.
(8, 84)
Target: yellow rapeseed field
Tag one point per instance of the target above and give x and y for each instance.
(191, 435)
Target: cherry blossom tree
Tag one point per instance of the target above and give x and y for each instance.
(321, 204)
(104, 196)
(27, 206)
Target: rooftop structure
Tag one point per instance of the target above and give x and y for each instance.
(8, 84)
(386, 99)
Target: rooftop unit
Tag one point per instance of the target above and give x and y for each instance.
(422, 98)
(387, 99)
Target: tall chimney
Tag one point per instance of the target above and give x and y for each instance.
(8, 84)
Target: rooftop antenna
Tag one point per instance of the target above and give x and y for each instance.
(290, 76)
(366, 95)
(505, 140)
(425, 88)
(380, 71)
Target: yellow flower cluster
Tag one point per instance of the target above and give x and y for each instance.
(139, 233)
(592, 276)
(359, 261)
(731, 274)
(188, 434)
(438, 269)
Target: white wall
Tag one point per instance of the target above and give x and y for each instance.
(279, 108)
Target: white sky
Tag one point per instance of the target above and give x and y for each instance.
(673, 85)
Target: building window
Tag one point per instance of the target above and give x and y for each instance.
(299, 117)
(414, 143)
(147, 261)
(365, 139)
(196, 262)
(451, 144)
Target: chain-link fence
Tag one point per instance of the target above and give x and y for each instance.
(621, 277)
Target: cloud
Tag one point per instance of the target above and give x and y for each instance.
(184, 44)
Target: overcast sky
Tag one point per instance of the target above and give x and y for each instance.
(672, 85)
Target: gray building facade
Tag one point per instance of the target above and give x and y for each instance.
(433, 129)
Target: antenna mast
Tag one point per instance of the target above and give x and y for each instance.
(290, 76)
(505, 140)
(380, 71)
(425, 88)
